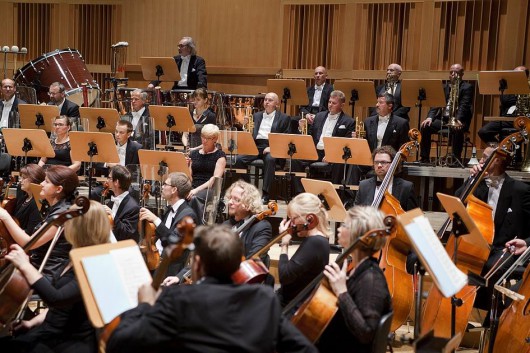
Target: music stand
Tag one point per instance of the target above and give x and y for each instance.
(100, 119)
(33, 116)
(175, 161)
(503, 82)
(293, 90)
(415, 92)
(28, 142)
(327, 193)
(292, 146)
(361, 93)
(235, 142)
(93, 147)
(172, 118)
(153, 68)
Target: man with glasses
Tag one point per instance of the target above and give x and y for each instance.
(401, 189)
(175, 189)
(66, 107)
(192, 67)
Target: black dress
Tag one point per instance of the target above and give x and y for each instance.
(207, 117)
(62, 154)
(27, 214)
(203, 166)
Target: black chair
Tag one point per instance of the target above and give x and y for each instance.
(382, 338)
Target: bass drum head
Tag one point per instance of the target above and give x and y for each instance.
(64, 66)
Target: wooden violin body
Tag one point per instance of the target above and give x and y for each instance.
(147, 244)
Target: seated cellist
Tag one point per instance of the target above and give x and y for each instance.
(362, 292)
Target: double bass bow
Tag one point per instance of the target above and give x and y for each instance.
(394, 253)
(319, 303)
(14, 288)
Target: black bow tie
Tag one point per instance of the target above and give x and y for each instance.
(378, 182)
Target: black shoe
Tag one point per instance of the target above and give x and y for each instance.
(265, 199)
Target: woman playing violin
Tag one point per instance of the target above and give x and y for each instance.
(26, 211)
(58, 189)
(65, 326)
(362, 292)
(312, 254)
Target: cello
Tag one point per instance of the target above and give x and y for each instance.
(319, 302)
(469, 258)
(14, 288)
(394, 253)
(172, 252)
(147, 236)
(9, 204)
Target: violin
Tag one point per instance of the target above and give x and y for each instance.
(393, 255)
(8, 202)
(104, 195)
(319, 303)
(147, 236)
(253, 270)
(172, 252)
(470, 258)
(14, 288)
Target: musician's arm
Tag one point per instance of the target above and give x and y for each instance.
(18, 233)
(75, 165)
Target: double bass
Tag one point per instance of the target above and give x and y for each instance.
(319, 303)
(394, 253)
(469, 258)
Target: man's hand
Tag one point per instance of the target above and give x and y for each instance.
(426, 122)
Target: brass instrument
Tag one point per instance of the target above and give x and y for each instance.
(452, 103)
(249, 126)
(303, 124)
(390, 83)
(359, 128)
(522, 124)
(522, 104)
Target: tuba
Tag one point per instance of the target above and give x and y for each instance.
(452, 103)
(359, 128)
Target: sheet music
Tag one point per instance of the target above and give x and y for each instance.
(447, 277)
(114, 279)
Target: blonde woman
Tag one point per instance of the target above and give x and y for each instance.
(312, 254)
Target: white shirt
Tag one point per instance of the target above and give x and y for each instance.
(381, 128)
(117, 202)
(184, 71)
(389, 187)
(494, 192)
(265, 126)
(168, 222)
(136, 117)
(5, 112)
(327, 129)
(121, 152)
(317, 95)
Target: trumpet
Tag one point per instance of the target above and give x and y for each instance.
(359, 128)
(303, 124)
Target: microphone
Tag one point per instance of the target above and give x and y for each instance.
(120, 44)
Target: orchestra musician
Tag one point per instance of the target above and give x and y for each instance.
(26, 211)
(271, 120)
(331, 123)
(192, 67)
(143, 131)
(122, 207)
(174, 190)
(362, 291)
(66, 107)
(392, 86)
(490, 131)
(127, 148)
(206, 164)
(9, 105)
(437, 117)
(402, 189)
(212, 314)
(58, 190)
(61, 145)
(65, 326)
(202, 115)
(312, 255)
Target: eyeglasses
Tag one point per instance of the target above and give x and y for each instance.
(59, 124)
(53, 93)
(166, 184)
(383, 163)
(182, 45)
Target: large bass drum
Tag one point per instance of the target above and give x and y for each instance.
(64, 66)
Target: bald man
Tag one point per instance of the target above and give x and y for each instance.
(265, 122)
(9, 105)
(392, 85)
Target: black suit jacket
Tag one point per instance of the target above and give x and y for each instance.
(164, 234)
(343, 128)
(255, 238)
(131, 152)
(197, 75)
(126, 219)
(279, 125)
(403, 190)
(465, 104)
(397, 109)
(324, 98)
(396, 133)
(144, 131)
(70, 109)
(212, 316)
(13, 120)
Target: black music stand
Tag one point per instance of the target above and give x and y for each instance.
(293, 91)
(416, 93)
(172, 119)
(347, 151)
(159, 69)
(93, 147)
(28, 142)
(292, 146)
(361, 93)
(33, 116)
(100, 119)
